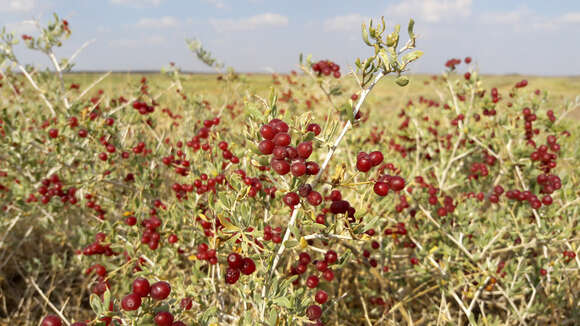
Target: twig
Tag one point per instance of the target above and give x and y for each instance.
(40, 91)
(361, 100)
(58, 312)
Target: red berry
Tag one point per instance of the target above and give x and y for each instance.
(298, 169)
(280, 166)
(376, 158)
(160, 290)
(304, 149)
(312, 168)
(279, 125)
(321, 296)
(364, 164)
(53, 133)
(248, 266)
(304, 258)
(312, 281)
(51, 320)
(314, 128)
(321, 265)
(141, 287)
(397, 183)
(232, 275)
(313, 312)
(381, 188)
(234, 260)
(543, 272)
(131, 302)
(163, 318)
(282, 139)
(331, 257)
(266, 147)
(328, 275)
(314, 198)
(268, 132)
(291, 199)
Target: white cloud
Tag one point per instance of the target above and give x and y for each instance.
(150, 40)
(350, 22)
(430, 11)
(161, 22)
(217, 3)
(17, 5)
(137, 3)
(250, 23)
(523, 19)
(507, 17)
(24, 27)
(571, 17)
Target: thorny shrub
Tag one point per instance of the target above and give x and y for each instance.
(295, 209)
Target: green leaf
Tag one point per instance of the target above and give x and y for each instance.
(410, 29)
(365, 35)
(385, 59)
(273, 317)
(282, 302)
(291, 243)
(402, 81)
(411, 56)
(96, 304)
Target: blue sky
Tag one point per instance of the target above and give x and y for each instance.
(527, 37)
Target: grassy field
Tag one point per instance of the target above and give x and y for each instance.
(387, 94)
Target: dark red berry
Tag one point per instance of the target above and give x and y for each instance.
(160, 290)
(268, 132)
(234, 260)
(304, 149)
(248, 266)
(291, 199)
(321, 297)
(232, 275)
(312, 281)
(163, 318)
(141, 287)
(313, 312)
(131, 302)
(51, 320)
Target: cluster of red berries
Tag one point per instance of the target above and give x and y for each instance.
(529, 118)
(521, 84)
(569, 255)
(326, 67)
(549, 183)
(314, 312)
(237, 264)
(286, 158)
(256, 184)
(529, 197)
(272, 234)
(158, 291)
(150, 236)
(97, 247)
(387, 182)
(364, 161)
(47, 192)
(451, 63)
(204, 253)
(547, 160)
(208, 226)
(340, 206)
(551, 115)
(143, 108)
